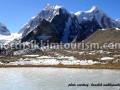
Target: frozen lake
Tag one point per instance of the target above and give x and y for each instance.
(57, 79)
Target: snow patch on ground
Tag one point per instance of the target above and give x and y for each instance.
(106, 58)
(49, 60)
(45, 57)
(31, 55)
(100, 51)
(116, 55)
(117, 28)
(24, 51)
(1, 63)
(104, 29)
(80, 53)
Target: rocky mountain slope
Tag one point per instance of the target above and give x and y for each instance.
(44, 31)
(103, 36)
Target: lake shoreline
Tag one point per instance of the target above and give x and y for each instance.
(65, 66)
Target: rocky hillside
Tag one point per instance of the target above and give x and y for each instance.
(102, 36)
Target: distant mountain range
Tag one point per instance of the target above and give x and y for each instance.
(65, 26)
(56, 24)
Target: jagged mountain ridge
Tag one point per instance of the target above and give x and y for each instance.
(98, 14)
(71, 26)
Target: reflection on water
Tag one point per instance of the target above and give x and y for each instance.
(56, 78)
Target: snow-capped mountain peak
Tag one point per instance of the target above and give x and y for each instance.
(48, 7)
(4, 30)
(58, 7)
(94, 8)
(118, 19)
(95, 13)
(48, 13)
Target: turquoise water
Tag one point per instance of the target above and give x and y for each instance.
(57, 79)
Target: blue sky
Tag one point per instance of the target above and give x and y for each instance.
(15, 13)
